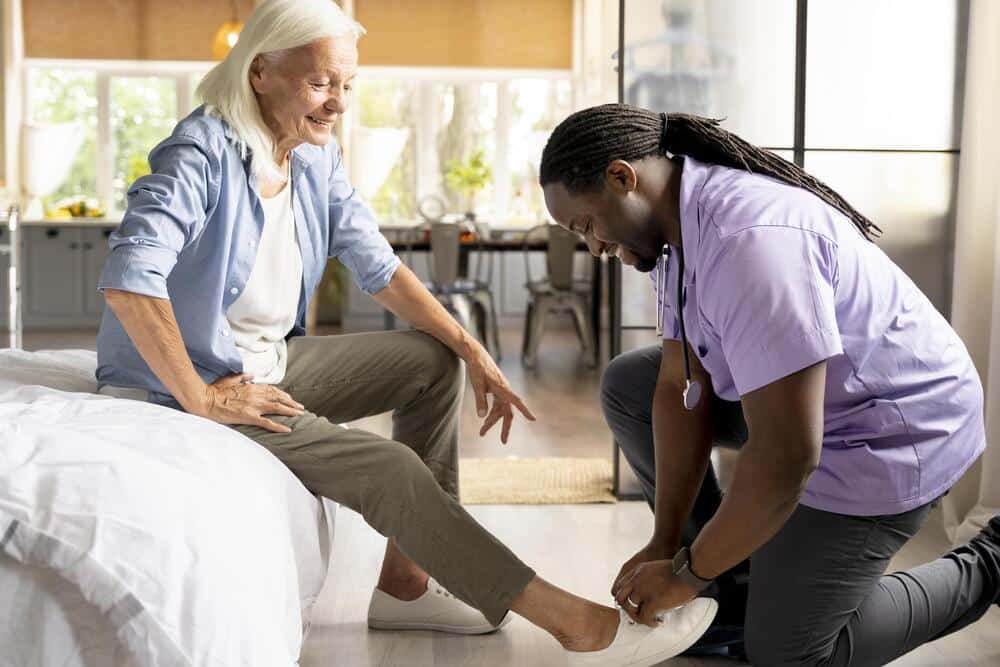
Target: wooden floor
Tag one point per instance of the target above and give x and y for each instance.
(577, 547)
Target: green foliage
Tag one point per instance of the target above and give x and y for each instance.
(469, 176)
(143, 113)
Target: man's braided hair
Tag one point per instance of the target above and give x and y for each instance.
(583, 145)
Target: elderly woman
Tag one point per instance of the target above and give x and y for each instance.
(207, 288)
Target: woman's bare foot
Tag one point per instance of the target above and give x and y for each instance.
(576, 623)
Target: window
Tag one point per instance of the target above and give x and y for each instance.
(124, 110)
(60, 96)
(384, 157)
(452, 117)
(143, 112)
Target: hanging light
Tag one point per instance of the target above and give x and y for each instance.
(227, 34)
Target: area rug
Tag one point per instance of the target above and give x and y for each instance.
(535, 481)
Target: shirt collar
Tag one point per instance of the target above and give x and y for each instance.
(694, 174)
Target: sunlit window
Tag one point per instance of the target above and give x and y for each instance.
(69, 96)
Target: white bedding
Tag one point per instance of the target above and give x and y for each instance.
(196, 545)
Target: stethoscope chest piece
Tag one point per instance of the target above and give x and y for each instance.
(692, 394)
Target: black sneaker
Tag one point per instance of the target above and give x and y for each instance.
(719, 640)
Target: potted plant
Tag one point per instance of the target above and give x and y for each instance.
(468, 177)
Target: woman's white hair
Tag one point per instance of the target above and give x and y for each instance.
(275, 25)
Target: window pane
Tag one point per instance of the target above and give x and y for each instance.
(66, 96)
(465, 116)
(384, 145)
(715, 58)
(143, 113)
(195, 101)
(883, 74)
(538, 106)
(908, 195)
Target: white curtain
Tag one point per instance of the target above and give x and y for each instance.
(11, 57)
(976, 291)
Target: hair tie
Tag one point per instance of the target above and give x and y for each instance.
(663, 132)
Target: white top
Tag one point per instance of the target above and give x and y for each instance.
(264, 313)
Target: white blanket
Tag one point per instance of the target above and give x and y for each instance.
(198, 545)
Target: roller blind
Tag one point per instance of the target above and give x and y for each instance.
(437, 33)
(467, 33)
(125, 29)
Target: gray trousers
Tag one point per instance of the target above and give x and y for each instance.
(405, 487)
(818, 592)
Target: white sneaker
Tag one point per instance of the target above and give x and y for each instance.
(638, 645)
(437, 610)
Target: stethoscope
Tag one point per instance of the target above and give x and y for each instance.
(692, 388)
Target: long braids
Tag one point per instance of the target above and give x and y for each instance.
(582, 146)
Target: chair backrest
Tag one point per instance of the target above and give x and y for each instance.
(560, 255)
(446, 243)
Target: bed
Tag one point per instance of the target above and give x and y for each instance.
(133, 534)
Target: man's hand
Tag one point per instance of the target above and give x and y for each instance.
(652, 588)
(655, 550)
(234, 400)
(487, 378)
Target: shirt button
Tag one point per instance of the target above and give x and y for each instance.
(233, 290)
(225, 332)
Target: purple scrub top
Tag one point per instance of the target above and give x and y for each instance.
(777, 280)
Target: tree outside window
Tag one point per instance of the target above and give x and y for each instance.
(143, 113)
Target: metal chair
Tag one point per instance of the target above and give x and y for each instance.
(467, 294)
(560, 291)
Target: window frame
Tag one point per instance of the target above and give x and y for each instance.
(181, 72)
(425, 79)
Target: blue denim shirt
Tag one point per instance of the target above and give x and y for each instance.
(190, 235)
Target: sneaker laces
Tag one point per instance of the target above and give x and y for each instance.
(443, 592)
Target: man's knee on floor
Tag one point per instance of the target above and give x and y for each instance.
(771, 647)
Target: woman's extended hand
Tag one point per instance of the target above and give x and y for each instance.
(487, 378)
(234, 400)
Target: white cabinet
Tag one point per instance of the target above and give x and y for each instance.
(94, 245)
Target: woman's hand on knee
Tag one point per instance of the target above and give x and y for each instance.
(235, 400)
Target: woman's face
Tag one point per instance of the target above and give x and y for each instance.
(303, 91)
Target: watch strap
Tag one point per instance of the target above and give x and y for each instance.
(682, 570)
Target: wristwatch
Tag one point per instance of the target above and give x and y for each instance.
(682, 570)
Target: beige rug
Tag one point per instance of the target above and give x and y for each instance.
(542, 481)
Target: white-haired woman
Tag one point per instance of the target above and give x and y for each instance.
(207, 286)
